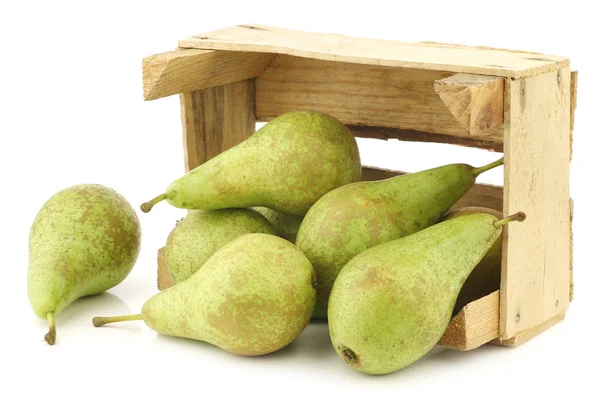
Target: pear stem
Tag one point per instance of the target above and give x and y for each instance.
(480, 170)
(99, 321)
(519, 217)
(147, 206)
(51, 335)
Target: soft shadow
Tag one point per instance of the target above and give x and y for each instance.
(81, 312)
(314, 342)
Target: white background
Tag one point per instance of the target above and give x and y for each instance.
(72, 112)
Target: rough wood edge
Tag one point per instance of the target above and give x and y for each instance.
(189, 70)
(574, 77)
(416, 136)
(475, 325)
(475, 101)
(571, 286)
(335, 47)
(528, 334)
(164, 280)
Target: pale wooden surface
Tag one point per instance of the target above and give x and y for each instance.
(523, 336)
(362, 95)
(215, 120)
(375, 132)
(476, 324)
(188, 70)
(335, 47)
(476, 101)
(535, 281)
(479, 195)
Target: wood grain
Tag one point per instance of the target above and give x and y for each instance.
(335, 47)
(476, 324)
(476, 101)
(375, 132)
(479, 195)
(215, 120)
(535, 282)
(188, 70)
(362, 95)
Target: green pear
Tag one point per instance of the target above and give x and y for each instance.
(254, 296)
(83, 241)
(357, 216)
(485, 277)
(285, 225)
(201, 233)
(392, 303)
(287, 165)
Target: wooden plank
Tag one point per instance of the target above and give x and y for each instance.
(523, 336)
(482, 195)
(571, 287)
(333, 47)
(188, 70)
(216, 119)
(164, 279)
(535, 280)
(476, 324)
(374, 132)
(361, 95)
(476, 101)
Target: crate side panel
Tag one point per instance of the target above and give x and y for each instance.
(335, 47)
(536, 266)
(362, 95)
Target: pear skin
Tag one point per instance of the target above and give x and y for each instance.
(392, 303)
(254, 296)
(485, 277)
(201, 233)
(287, 165)
(84, 240)
(358, 216)
(285, 225)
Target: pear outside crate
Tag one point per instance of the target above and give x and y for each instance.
(515, 102)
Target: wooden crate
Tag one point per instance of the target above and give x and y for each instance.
(516, 102)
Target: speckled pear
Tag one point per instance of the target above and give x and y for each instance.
(83, 241)
(201, 233)
(392, 303)
(358, 216)
(287, 165)
(254, 296)
(285, 225)
(485, 277)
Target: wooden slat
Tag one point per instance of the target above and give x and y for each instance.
(164, 279)
(374, 132)
(523, 336)
(480, 194)
(216, 119)
(361, 95)
(476, 101)
(535, 271)
(333, 47)
(476, 324)
(189, 70)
